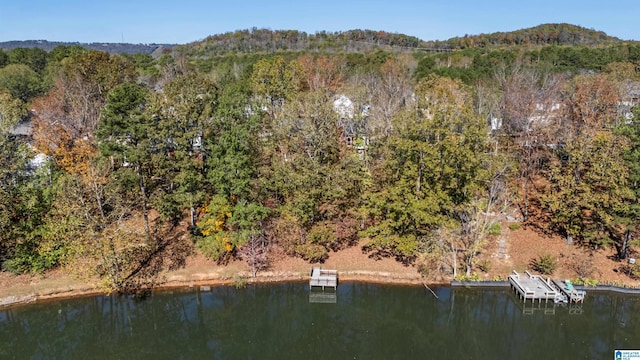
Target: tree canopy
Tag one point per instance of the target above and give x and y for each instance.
(409, 154)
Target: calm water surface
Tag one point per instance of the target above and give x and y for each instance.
(278, 322)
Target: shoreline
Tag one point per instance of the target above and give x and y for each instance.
(197, 282)
(598, 288)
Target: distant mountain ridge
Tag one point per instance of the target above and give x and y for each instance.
(114, 48)
(266, 40)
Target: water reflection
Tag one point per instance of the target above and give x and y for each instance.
(279, 322)
(323, 296)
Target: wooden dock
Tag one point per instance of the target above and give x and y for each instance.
(533, 287)
(323, 278)
(572, 295)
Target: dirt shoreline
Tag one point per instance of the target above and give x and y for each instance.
(46, 293)
(351, 263)
(180, 283)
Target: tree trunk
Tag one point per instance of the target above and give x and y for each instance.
(419, 180)
(99, 203)
(145, 211)
(623, 250)
(192, 216)
(527, 180)
(525, 215)
(455, 260)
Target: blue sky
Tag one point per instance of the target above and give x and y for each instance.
(160, 21)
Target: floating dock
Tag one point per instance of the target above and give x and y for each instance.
(323, 278)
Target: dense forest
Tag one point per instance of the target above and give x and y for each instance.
(546, 34)
(262, 142)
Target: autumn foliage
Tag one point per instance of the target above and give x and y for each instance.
(249, 155)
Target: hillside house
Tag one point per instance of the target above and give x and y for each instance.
(23, 131)
(542, 114)
(353, 126)
(630, 99)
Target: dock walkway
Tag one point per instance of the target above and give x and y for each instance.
(533, 287)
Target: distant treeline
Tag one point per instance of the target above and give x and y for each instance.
(112, 48)
(256, 40)
(473, 64)
(265, 40)
(546, 34)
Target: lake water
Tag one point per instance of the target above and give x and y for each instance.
(277, 321)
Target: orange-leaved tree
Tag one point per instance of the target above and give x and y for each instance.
(323, 72)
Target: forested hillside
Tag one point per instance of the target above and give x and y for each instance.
(546, 34)
(277, 142)
(265, 40)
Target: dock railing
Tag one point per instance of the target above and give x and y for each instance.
(532, 287)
